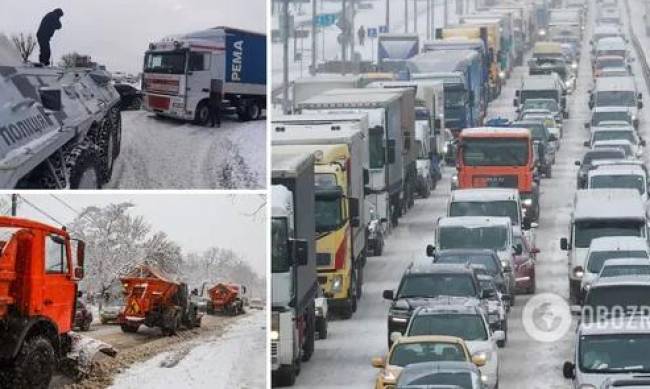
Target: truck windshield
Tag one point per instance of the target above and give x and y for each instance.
(615, 353)
(614, 135)
(622, 181)
(495, 152)
(376, 148)
(616, 99)
(585, 231)
(455, 98)
(437, 284)
(505, 208)
(459, 237)
(407, 353)
(539, 94)
(465, 326)
(328, 212)
(598, 258)
(279, 245)
(172, 62)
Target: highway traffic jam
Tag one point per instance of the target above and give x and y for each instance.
(469, 211)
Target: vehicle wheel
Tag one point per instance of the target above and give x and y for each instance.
(286, 376)
(379, 248)
(504, 328)
(34, 365)
(308, 347)
(253, 111)
(84, 167)
(106, 148)
(129, 328)
(359, 281)
(116, 120)
(322, 328)
(202, 114)
(350, 306)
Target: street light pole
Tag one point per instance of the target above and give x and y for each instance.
(388, 15)
(312, 71)
(415, 16)
(406, 16)
(285, 56)
(344, 36)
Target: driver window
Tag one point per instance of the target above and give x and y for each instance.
(199, 61)
(55, 258)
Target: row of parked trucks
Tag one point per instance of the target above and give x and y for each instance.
(355, 151)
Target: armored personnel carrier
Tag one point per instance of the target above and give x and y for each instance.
(59, 128)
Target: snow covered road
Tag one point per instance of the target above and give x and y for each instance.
(235, 360)
(169, 154)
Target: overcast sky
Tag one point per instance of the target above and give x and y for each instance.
(116, 33)
(194, 221)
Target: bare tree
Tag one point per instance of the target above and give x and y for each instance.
(76, 60)
(25, 44)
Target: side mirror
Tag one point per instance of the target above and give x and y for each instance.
(640, 96)
(565, 114)
(354, 207)
(378, 362)
(564, 244)
(639, 104)
(299, 252)
(518, 249)
(642, 142)
(80, 294)
(431, 250)
(499, 336)
(479, 359)
(515, 102)
(586, 143)
(388, 294)
(395, 335)
(587, 125)
(577, 163)
(81, 254)
(437, 125)
(569, 370)
(525, 224)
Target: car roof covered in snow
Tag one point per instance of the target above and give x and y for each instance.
(594, 204)
(615, 243)
(484, 194)
(617, 170)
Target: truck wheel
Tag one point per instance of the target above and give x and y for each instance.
(253, 110)
(129, 328)
(84, 169)
(116, 119)
(106, 148)
(310, 338)
(322, 328)
(350, 305)
(504, 328)
(286, 376)
(359, 281)
(34, 364)
(202, 114)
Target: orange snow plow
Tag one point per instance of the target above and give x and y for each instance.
(226, 298)
(155, 299)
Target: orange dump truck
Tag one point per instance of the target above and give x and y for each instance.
(154, 299)
(40, 267)
(499, 157)
(226, 298)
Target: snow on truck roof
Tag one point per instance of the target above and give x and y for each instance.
(311, 118)
(485, 194)
(353, 97)
(610, 243)
(594, 204)
(493, 132)
(474, 221)
(288, 162)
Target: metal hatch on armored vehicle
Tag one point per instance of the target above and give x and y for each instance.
(59, 129)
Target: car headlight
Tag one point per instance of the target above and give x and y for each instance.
(484, 355)
(542, 32)
(484, 379)
(587, 287)
(633, 117)
(337, 283)
(502, 74)
(578, 272)
(275, 335)
(445, 148)
(527, 202)
(574, 65)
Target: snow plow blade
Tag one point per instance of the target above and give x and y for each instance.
(83, 351)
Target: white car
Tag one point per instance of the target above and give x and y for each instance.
(618, 132)
(625, 267)
(619, 176)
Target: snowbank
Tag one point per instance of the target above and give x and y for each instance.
(235, 360)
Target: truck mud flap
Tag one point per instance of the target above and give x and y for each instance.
(83, 350)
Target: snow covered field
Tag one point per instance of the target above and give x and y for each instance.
(235, 360)
(169, 154)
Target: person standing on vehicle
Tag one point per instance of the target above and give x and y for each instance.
(49, 24)
(216, 88)
(362, 35)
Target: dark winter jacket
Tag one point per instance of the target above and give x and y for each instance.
(50, 23)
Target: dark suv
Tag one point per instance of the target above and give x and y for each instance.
(423, 283)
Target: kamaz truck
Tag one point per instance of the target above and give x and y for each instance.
(180, 72)
(59, 128)
(293, 263)
(341, 222)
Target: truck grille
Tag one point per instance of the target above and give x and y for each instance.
(508, 181)
(274, 352)
(158, 102)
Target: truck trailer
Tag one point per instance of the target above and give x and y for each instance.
(393, 49)
(180, 72)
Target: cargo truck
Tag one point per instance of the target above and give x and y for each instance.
(460, 71)
(499, 157)
(304, 88)
(340, 177)
(393, 49)
(179, 72)
(497, 26)
(391, 118)
(430, 133)
(294, 285)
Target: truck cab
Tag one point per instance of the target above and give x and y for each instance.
(499, 158)
(600, 213)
